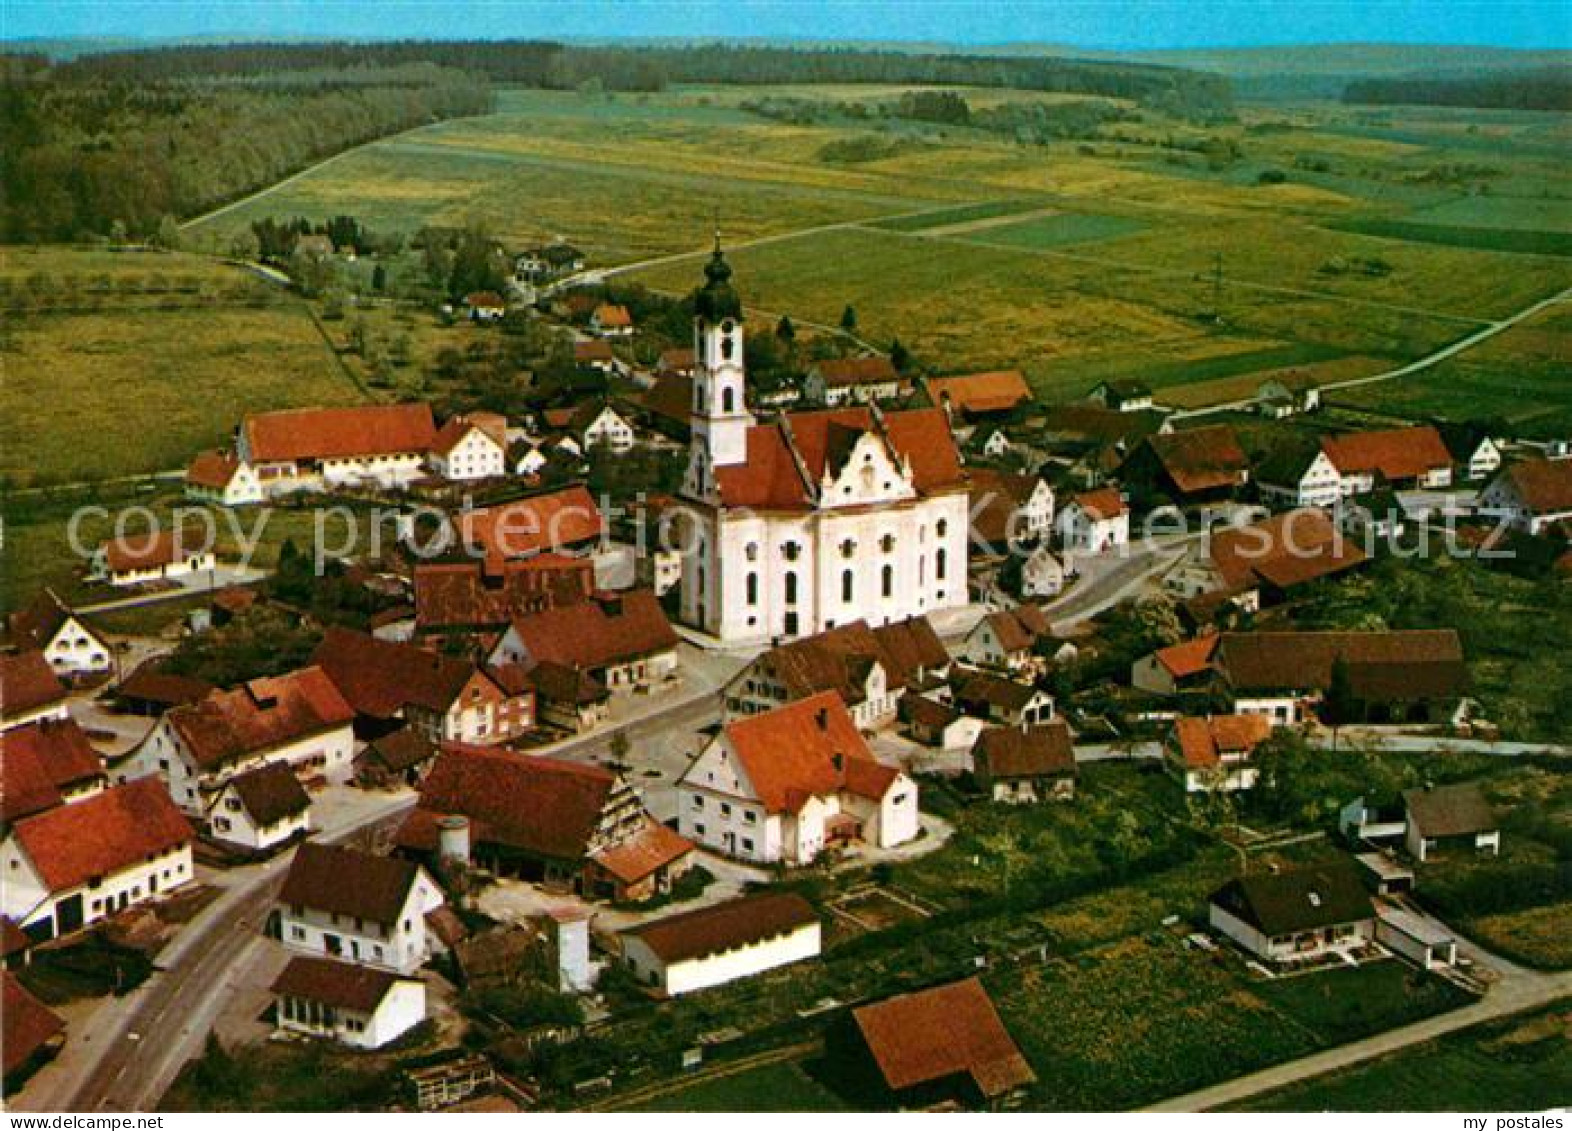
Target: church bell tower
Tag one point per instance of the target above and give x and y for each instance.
(719, 416)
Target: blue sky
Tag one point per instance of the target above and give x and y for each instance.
(1132, 24)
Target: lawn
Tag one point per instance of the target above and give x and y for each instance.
(770, 1087)
(1522, 1064)
(124, 382)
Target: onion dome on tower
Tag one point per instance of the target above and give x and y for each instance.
(716, 300)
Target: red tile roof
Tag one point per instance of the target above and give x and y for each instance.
(540, 805)
(26, 1024)
(1425, 659)
(1285, 550)
(36, 625)
(27, 684)
(213, 469)
(1395, 454)
(606, 630)
(346, 881)
(1201, 459)
(1543, 485)
(261, 715)
(150, 684)
(838, 659)
(40, 760)
(676, 361)
(994, 391)
(337, 433)
(1188, 657)
(455, 428)
(342, 985)
(556, 521)
(1038, 750)
(725, 926)
(1203, 742)
(379, 678)
(651, 848)
(103, 834)
(946, 1031)
(613, 316)
(489, 594)
(1104, 503)
(154, 550)
(810, 748)
(592, 351)
(484, 300)
(850, 371)
(271, 793)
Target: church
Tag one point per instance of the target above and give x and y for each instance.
(808, 520)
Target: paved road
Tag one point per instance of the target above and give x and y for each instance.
(1108, 587)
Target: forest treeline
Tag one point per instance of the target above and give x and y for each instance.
(124, 143)
(1525, 90)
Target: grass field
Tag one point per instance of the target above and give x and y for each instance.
(136, 362)
(772, 1087)
(1522, 1064)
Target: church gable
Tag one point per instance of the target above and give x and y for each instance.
(862, 471)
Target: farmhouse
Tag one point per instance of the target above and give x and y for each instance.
(138, 559)
(1268, 559)
(46, 764)
(341, 1001)
(473, 447)
(50, 626)
(32, 690)
(994, 698)
(1298, 473)
(1287, 394)
(299, 719)
(1445, 816)
(611, 320)
(1030, 762)
(318, 449)
(401, 757)
(1213, 755)
(472, 596)
(869, 668)
(792, 782)
(623, 640)
(443, 698)
(815, 518)
(852, 380)
(1296, 916)
(69, 867)
(1191, 466)
(1186, 666)
(1474, 450)
(935, 1047)
(566, 697)
(971, 397)
(1094, 521)
(1008, 640)
(484, 306)
(935, 723)
(260, 809)
(557, 521)
(1042, 574)
(1009, 510)
(224, 478)
(1404, 676)
(1122, 396)
(548, 821)
(1398, 457)
(1532, 496)
(711, 946)
(343, 903)
(596, 355)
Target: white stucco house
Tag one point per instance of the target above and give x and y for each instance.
(713, 945)
(69, 644)
(1297, 916)
(350, 905)
(358, 1006)
(787, 784)
(222, 477)
(1093, 522)
(260, 809)
(1531, 496)
(383, 447)
(468, 448)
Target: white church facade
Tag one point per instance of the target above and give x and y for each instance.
(809, 520)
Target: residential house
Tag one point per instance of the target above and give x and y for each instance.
(1043, 574)
(597, 425)
(1195, 465)
(224, 478)
(354, 1005)
(1122, 396)
(1443, 816)
(467, 448)
(971, 397)
(852, 380)
(319, 449)
(1402, 676)
(32, 690)
(44, 765)
(1030, 762)
(484, 306)
(30, 1033)
(1287, 394)
(485, 595)
(1213, 755)
(1296, 916)
(400, 757)
(150, 690)
(563, 824)
(138, 559)
(1094, 522)
(1267, 560)
(260, 810)
(73, 865)
(938, 1047)
(713, 945)
(1298, 473)
(869, 668)
(1099, 437)
(444, 698)
(299, 719)
(50, 626)
(1185, 666)
(567, 698)
(551, 261)
(996, 699)
(557, 521)
(1400, 458)
(611, 320)
(1009, 511)
(1008, 640)
(623, 640)
(596, 355)
(1475, 452)
(933, 722)
(786, 785)
(346, 904)
(1531, 496)
(676, 363)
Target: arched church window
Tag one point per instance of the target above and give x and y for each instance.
(887, 580)
(753, 589)
(791, 588)
(848, 584)
(726, 347)
(790, 550)
(728, 400)
(942, 527)
(939, 560)
(848, 548)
